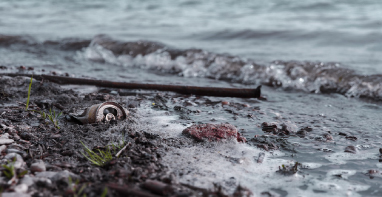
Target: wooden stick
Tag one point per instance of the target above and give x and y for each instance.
(205, 91)
(120, 151)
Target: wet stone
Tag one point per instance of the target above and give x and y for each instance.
(38, 166)
(213, 132)
(351, 149)
(27, 180)
(301, 133)
(353, 138)
(19, 162)
(64, 176)
(46, 174)
(2, 148)
(328, 137)
(21, 188)
(6, 141)
(14, 194)
(12, 150)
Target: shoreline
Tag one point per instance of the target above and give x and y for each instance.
(51, 155)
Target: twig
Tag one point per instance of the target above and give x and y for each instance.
(206, 91)
(120, 151)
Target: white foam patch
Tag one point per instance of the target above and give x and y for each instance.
(341, 158)
(160, 122)
(233, 163)
(311, 165)
(230, 163)
(345, 174)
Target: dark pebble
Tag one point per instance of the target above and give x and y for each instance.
(351, 138)
(351, 149)
(67, 153)
(301, 133)
(263, 146)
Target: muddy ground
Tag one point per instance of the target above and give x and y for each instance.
(49, 161)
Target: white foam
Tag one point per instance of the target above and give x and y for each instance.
(230, 163)
(204, 64)
(342, 157)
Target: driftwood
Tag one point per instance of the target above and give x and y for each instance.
(205, 91)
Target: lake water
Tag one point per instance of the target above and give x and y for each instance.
(319, 63)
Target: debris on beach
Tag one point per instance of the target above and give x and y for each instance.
(289, 170)
(213, 132)
(103, 112)
(272, 128)
(351, 149)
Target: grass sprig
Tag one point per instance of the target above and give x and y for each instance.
(73, 187)
(100, 158)
(52, 116)
(103, 156)
(29, 93)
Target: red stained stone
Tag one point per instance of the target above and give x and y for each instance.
(213, 132)
(225, 103)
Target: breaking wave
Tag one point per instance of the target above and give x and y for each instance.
(315, 77)
(308, 76)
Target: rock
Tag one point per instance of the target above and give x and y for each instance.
(213, 132)
(16, 137)
(380, 150)
(21, 188)
(46, 174)
(225, 103)
(26, 136)
(351, 149)
(64, 176)
(12, 150)
(27, 180)
(38, 166)
(6, 141)
(242, 191)
(19, 162)
(328, 137)
(43, 182)
(301, 133)
(14, 194)
(2, 148)
(4, 136)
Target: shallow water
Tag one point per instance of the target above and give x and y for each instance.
(315, 60)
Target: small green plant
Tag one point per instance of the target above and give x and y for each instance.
(289, 170)
(103, 156)
(100, 158)
(10, 172)
(73, 187)
(104, 193)
(29, 93)
(52, 116)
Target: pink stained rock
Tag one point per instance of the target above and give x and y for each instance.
(213, 132)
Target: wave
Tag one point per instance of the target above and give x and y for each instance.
(315, 77)
(309, 76)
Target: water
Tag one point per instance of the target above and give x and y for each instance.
(319, 61)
